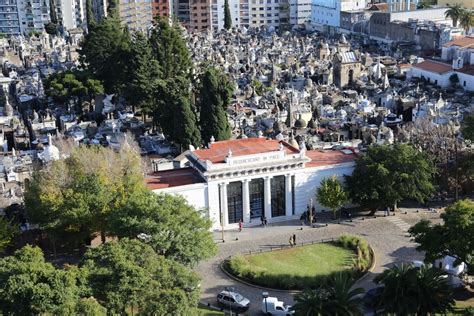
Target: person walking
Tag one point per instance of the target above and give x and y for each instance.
(302, 219)
(294, 239)
(387, 211)
(291, 241)
(241, 225)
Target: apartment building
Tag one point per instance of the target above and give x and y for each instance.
(136, 14)
(199, 15)
(9, 19)
(162, 8)
(326, 14)
(300, 11)
(33, 15)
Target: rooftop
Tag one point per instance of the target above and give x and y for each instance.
(328, 157)
(462, 42)
(172, 178)
(218, 151)
(434, 66)
(468, 70)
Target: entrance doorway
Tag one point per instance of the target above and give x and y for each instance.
(256, 192)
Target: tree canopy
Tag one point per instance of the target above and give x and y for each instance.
(387, 174)
(409, 290)
(215, 92)
(227, 15)
(73, 197)
(128, 273)
(175, 229)
(7, 232)
(453, 237)
(332, 194)
(467, 128)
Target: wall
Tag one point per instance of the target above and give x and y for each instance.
(443, 79)
(468, 79)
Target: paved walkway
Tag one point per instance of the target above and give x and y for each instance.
(387, 236)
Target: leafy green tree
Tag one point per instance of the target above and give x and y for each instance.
(31, 286)
(387, 174)
(453, 237)
(105, 51)
(414, 291)
(90, 18)
(7, 233)
(170, 50)
(331, 194)
(175, 229)
(214, 97)
(338, 297)
(145, 75)
(227, 16)
(89, 306)
(73, 197)
(51, 28)
(454, 13)
(468, 127)
(113, 9)
(128, 273)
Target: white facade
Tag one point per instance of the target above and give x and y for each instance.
(328, 12)
(264, 12)
(277, 184)
(217, 13)
(300, 11)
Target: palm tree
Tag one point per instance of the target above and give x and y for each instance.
(344, 300)
(466, 20)
(454, 12)
(311, 302)
(335, 298)
(409, 290)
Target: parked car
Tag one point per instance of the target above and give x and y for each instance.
(233, 300)
(272, 306)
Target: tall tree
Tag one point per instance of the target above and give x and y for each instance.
(7, 232)
(31, 286)
(414, 291)
(73, 197)
(214, 97)
(227, 16)
(113, 9)
(128, 274)
(174, 228)
(53, 16)
(468, 127)
(332, 194)
(387, 174)
(105, 51)
(454, 13)
(170, 50)
(466, 20)
(144, 75)
(90, 18)
(453, 237)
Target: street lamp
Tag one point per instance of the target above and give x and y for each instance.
(265, 296)
(311, 212)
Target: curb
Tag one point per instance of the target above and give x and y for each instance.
(293, 292)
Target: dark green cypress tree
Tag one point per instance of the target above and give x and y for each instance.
(112, 9)
(227, 16)
(214, 97)
(52, 12)
(90, 15)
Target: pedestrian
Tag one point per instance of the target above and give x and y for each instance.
(387, 211)
(291, 241)
(302, 219)
(294, 239)
(264, 221)
(241, 225)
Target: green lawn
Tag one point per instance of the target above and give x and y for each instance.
(204, 311)
(293, 268)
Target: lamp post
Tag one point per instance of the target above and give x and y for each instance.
(265, 296)
(310, 212)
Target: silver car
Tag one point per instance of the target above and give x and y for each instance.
(233, 300)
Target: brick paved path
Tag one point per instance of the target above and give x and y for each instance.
(387, 236)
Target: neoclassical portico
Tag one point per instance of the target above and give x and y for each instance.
(253, 180)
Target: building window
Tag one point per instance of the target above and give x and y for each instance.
(256, 192)
(234, 202)
(464, 84)
(278, 196)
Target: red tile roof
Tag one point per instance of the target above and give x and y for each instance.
(463, 42)
(468, 70)
(241, 147)
(328, 157)
(172, 178)
(434, 66)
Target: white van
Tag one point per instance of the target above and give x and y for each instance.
(272, 306)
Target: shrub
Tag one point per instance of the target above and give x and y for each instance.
(360, 246)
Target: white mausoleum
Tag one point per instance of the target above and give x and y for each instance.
(244, 179)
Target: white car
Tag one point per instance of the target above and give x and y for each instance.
(272, 306)
(233, 300)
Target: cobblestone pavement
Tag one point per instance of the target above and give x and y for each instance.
(387, 235)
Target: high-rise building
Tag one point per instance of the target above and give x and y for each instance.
(326, 14)
(300, 11)
(199, 15)
(162, 8)
(136, 14)
(9, 19)
(33, 15)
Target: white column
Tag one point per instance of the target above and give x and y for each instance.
(223, 194)
(268, 197)
(288, 195)
(246, 200)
